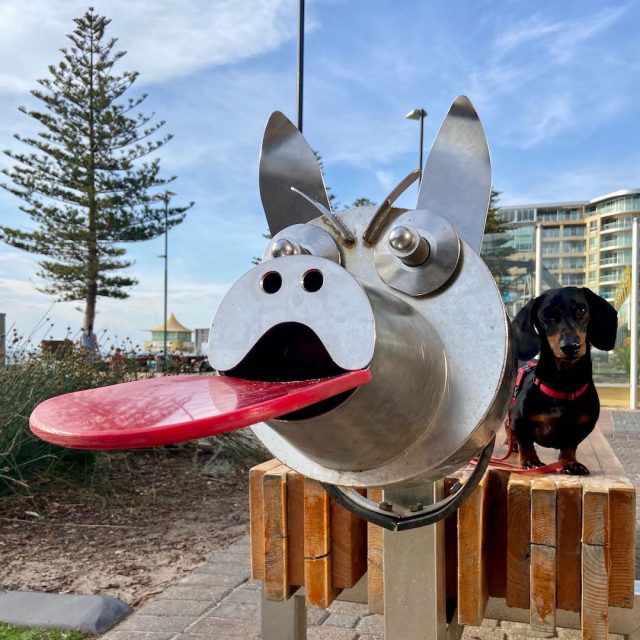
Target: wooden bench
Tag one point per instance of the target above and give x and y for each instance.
(547, 549)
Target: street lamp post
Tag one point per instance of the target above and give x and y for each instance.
(300, 75)
(166, 198)
(418, 114)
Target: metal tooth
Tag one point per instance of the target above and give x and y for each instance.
(385, 506)
(408, 245)
(286, 247)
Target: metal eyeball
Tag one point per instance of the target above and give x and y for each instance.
(303, 239)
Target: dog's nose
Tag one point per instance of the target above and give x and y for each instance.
(569, 348)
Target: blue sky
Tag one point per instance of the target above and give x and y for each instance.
(555, 84)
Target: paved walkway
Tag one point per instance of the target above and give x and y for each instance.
(219, 601)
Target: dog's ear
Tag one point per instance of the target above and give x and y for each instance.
(524, 331)
(603, 321)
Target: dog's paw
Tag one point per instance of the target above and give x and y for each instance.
(575, 469)
(532, 463)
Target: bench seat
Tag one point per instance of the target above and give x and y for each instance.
(540, 542)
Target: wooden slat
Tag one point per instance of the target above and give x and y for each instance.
(348, 547)
(543, 554)
(295, 527)
(256, 517)
(595, 539)
(319, 591)
(568, 543)
(594, 618)
(518, 540)
(451, 545)
(473, 575)
(622, 547)
(276, 583)
(497, 540)
(375, 576)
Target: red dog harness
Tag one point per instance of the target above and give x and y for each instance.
(547, 390)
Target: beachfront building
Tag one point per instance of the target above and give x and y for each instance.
(584, 243)
(178, 338)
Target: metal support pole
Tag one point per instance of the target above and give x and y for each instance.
(414, 575)
(538, 276)
(422, 115)
(300, 61)
(285, 620)
(3, 338)
(633, 317)
(166, 274)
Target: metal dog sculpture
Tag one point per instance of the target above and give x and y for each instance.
(378, 295)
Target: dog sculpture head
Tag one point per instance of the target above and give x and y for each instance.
(569, 319)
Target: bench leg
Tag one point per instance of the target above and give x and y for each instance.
(286, 620)
(414, 577)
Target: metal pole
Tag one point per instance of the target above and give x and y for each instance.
(166, 273)
(300, 61)
(422, 115)
(538, 277)
(633, 317)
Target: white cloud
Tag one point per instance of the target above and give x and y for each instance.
(164, 38)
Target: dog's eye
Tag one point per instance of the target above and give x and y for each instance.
(580, 311)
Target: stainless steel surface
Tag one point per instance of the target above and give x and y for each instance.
(469, 318)
(360, 326)
(339, 313)
(287, 160)
(428, 275)
(435, 336)
(414, 573)
(303, 238)
(401, 403)
(384, 213)
(344, 233)
(407, 244)
(285, 247)
(457, 176)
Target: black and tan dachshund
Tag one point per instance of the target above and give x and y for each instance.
(557, 405)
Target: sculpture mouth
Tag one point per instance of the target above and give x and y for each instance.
(291, 351)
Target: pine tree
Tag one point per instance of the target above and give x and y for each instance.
(86, 181)
(495, 250)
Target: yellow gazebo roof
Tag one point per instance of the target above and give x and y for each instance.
(172, 325)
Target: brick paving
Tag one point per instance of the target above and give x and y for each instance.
(219, 601)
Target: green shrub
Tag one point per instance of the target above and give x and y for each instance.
(24, 383)
(34, 375)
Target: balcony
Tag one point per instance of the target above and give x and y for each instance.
(616, 226)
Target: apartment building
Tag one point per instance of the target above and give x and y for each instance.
(584, 243)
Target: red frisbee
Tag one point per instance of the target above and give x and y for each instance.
(171, 409)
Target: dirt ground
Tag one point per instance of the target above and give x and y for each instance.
(146, 519)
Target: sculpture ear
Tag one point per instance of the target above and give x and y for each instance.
(524, 331)
(287, 160)
(457, 176)
(603, 321)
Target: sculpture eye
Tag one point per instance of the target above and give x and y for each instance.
(302, 239)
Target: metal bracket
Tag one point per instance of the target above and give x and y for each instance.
(402, 521)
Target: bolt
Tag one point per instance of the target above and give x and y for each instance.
(418, 506)
(385, 506)
(285, 247)
(408, 245)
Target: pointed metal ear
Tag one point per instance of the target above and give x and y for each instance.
(287, 160)
(456, 183)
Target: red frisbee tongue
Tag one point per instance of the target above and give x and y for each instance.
(165, 410)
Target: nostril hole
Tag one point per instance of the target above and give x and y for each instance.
(312, 280)
(271, 282)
